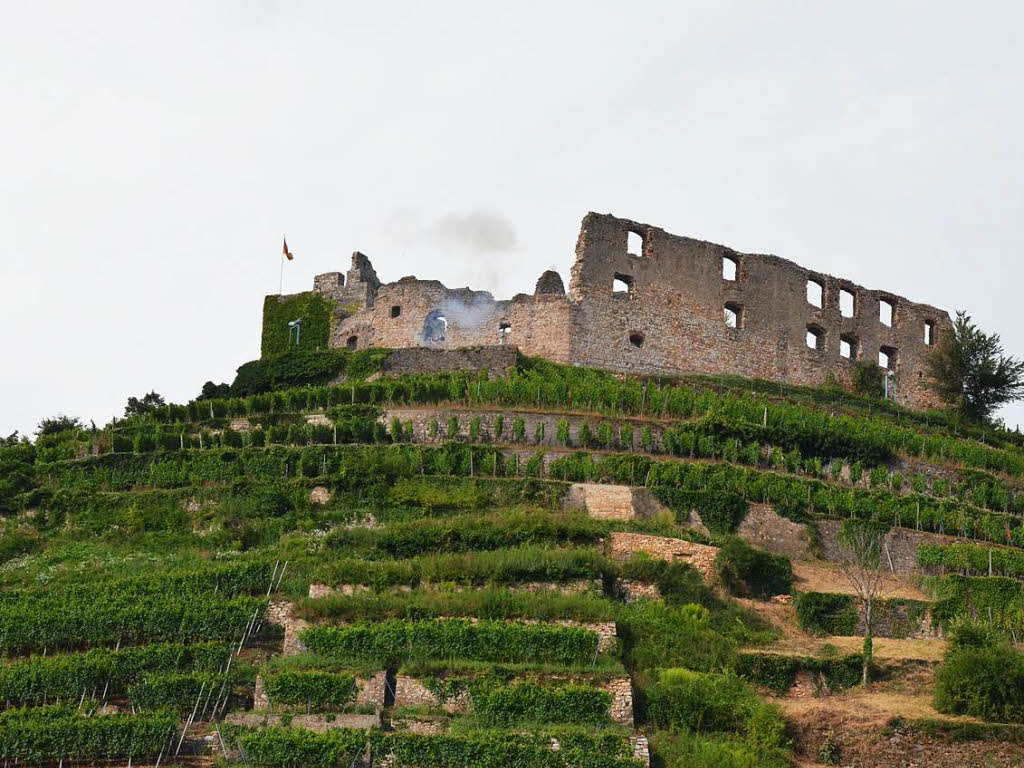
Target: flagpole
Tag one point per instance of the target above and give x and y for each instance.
(280, 288)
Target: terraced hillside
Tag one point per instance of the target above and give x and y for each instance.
(553, 567)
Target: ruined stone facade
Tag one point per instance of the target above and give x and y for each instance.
(644, 301)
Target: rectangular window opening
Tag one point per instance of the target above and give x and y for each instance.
(847, 303)
(848, 347)
(622, 284)
(815, 293)
(733, 315)
(815, 337)
(885, 312)
(929, 332)
(635, 244)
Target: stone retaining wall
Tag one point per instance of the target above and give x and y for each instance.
(764, 529)
(622, 545)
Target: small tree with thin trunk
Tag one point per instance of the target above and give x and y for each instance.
(861, 543)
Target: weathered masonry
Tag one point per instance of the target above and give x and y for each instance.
(641, 300)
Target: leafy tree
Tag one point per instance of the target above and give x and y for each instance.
(861, 542)
(867, 379)
(211, 390)
(969, 371)
(140, 407)
(57, 424)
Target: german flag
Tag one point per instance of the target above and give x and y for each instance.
(285, 251)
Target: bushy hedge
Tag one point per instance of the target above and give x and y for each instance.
(714, 703)
(177, 691)
(313, 688)
(52, 733)
(750, 572)
(658, 635)
(985, 682)
(503, 566)
(970, 559)
(72, 623)
(508, 749)
(997, 600)
(484, 603)
(279, 747)
(494, 531)
(778, 673)
(826, 613)
(527, 701)
(240, 578)
(17, 476)
(48, 678)
(389, 642)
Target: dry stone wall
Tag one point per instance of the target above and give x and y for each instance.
(622, 546)
(657, 308)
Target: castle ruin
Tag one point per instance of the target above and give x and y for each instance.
(644, 301)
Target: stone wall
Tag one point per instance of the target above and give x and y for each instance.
(497, 359)
(604, 502)
(667, 316)
(764, 529)
(701, 557)
(899, 553)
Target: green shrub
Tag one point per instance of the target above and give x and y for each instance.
(680, 748)
(713, 703)
(985, 682)
(749, 572)
(657, 635)
(388, 642)
(777, 673)
(531, 702)
(46, 734)
(314, 688)
(825, 613)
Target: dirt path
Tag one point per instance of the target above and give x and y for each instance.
(826, 577)
(796, 642)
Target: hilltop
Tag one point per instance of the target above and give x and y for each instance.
(475, 558)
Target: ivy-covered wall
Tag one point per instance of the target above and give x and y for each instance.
(316, 312)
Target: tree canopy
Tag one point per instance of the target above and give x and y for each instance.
(969, 371)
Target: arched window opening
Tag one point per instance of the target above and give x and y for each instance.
(849, 347)
(733, 315)
(636, 339)
(730, 268)
(396, 310)
(815, 337)
(352, 342)
(887, 358)
(622, 285)
(435, 327)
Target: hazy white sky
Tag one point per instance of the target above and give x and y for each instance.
(152, 154)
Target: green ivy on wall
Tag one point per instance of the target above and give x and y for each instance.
(316, 312)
